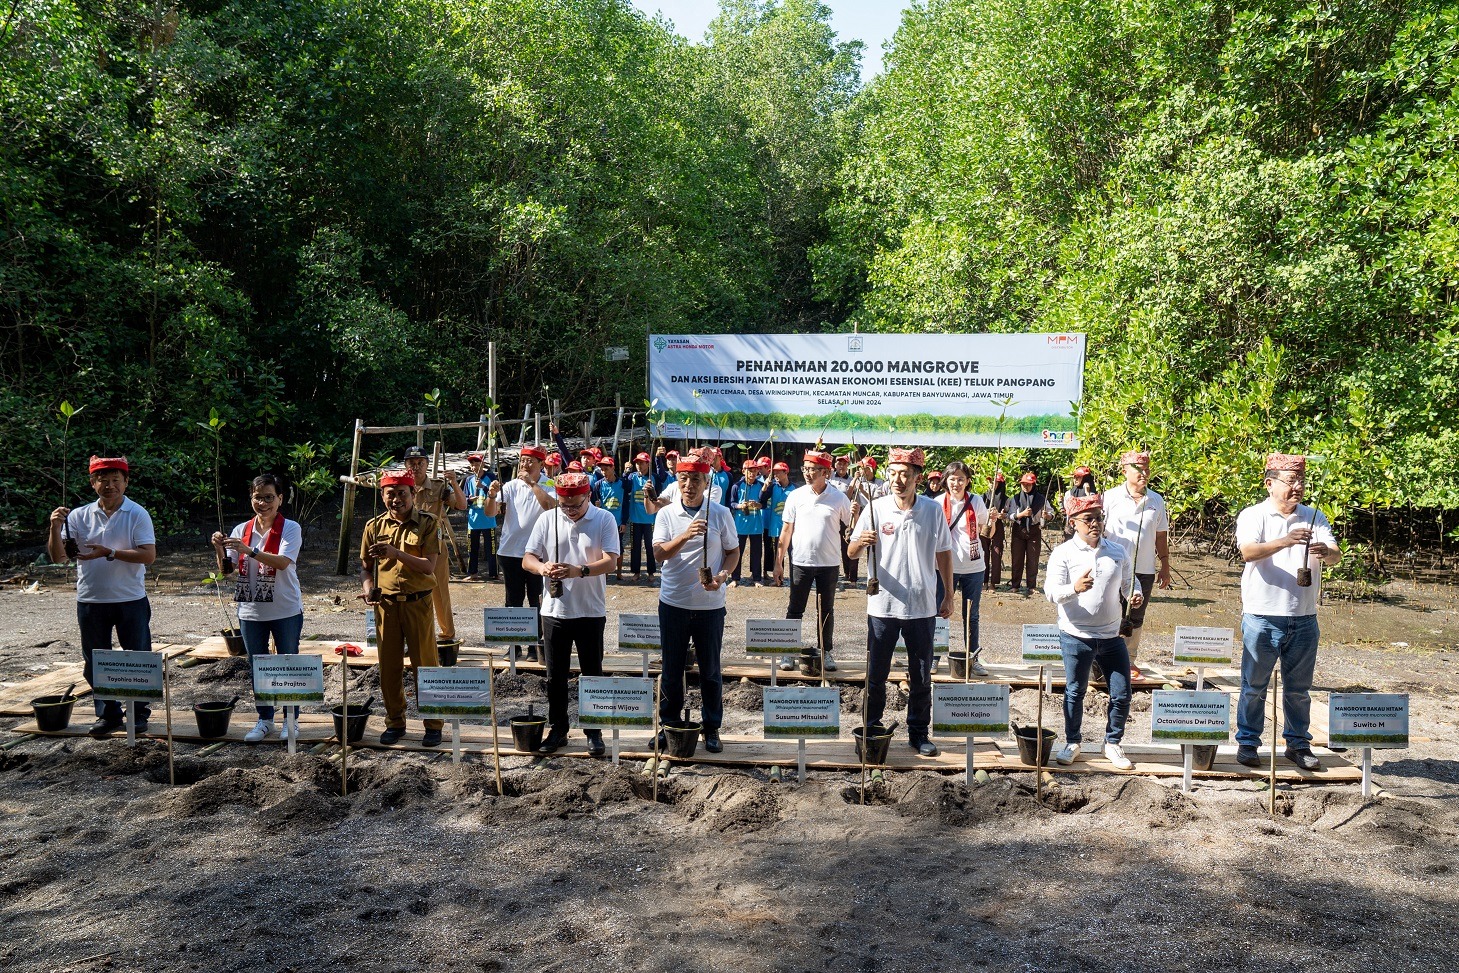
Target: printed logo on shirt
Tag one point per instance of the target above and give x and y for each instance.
(888, 528)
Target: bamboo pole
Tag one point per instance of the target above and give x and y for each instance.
(167, 700)
(1271, 806)
(496, 753)
(865, 699)
(1038, 751)
(344, 706)
(420, 429)
(657, 729)
(347, 509)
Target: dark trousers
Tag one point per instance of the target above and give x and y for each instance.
(849, 565)
(483, 539)
(881, 640)
(132, 621)
(772, 544)
(559, 635)
(677, 627)
(750, 553)
(520, 585)
(993, 556)
(1024, 558)
(824, 579)
(643, 534)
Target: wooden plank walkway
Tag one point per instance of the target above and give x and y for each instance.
(15, 700)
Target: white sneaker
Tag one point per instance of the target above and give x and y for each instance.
(830, 663)
(284, 730)
(1066, 756)
(978, 668)
(260, 730)
(1116, 755)
(787, 663)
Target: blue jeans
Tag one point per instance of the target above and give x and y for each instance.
(677, 626)
(1114, 658)
(132, 621)
(971, 588)
(286, 642)
(881, 640)
(1265, 639)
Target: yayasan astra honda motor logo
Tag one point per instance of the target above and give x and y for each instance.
(681, 344)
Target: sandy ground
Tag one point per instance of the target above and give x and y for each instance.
(256, 863)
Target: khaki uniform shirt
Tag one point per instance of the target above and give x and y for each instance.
(431, 498)
(416, 535)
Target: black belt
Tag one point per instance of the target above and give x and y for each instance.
(401, 599)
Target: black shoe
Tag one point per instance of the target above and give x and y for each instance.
(431, 739)
(139, 727)
(532, 655)
(1247, 756)
(925, 748)
(661, 741)
(1303, 758)
(555, 741)
(595, 745)
(105, 727)
(711, 741)
(392, 734)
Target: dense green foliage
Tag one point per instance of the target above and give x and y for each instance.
(281, 215)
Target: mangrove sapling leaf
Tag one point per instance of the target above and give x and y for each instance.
(214, 427)
(216, 579)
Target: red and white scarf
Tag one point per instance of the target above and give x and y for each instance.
(970, 518)
(258, 585)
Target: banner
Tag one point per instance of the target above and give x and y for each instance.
(1190, 716)
(288, 678)
(772, 636)
(928, 389)
(965, 709)
(1197, 645)
(134, 676)
(638, 633)
(798, 711)
(1375, 720)
(509, 626)
(608, 702)
(453, 691)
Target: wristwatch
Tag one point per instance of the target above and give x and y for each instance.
(253, 552)
(111, 554)
(584, 570)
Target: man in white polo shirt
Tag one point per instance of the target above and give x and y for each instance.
(1087, 577)
(115, 543)
(519, 503)
(1278, 538)
(576, 545)
(908, 536)
(693, 534)
(814, 521)
(1135, 516)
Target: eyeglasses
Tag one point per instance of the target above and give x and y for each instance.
(574, 506)
(265, 498)
(1295, 483)
(1090, 519)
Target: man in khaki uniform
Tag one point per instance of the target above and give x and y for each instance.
(432, 496)
(398, 555)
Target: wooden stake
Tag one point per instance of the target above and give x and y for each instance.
(344, 705)
(1271, 805)
(658, 693)
(1038, 750)
(167, 702)
(865, 696)
(496, 753)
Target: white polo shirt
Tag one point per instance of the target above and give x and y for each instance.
(104, 582)
(679, 576)
(819, 519)
(670, 493)
(908, 544)
(519, 514)
(1096, 613)
(1128, 517)
(1269, 586)
(582, 542)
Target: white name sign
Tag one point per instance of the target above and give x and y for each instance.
(965, 709)
(772, 636)
(509, 626)
(941, 637)
(125, 676)
(288, 678)
(798, 711)
(1197, 645)
(1041, 644)
(609, 702)
(1375, 720)
(638, 633)
(453, 691)
(1190, 716)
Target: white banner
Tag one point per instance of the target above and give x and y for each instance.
(930, 389)
(1189, 716)
(135, 676)
(608, 702)
(509, 626)
(1376, 720)
(965, 709)
(453, 691)
(288, 678)
(772, 636)
(1198, 645)
(797, 711)
(638, 633)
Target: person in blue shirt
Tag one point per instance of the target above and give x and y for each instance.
(774, 513)
(481, 527)
(720, 478)
(665, 463)
(608, 493)
(747, 500)
(639, 486)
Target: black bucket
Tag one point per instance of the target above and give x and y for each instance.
(233, 640)
(1203, 756)
(359, 716)
(880, 742)
(213, 716)
(52, 713)
(810, 665)
(1028, 743)
(448, 651)
(527, 732)
(682, 737)
(957, 661)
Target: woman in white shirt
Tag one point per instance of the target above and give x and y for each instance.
(966, 515)
(264, 550)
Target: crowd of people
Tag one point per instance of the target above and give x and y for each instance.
(553, 532)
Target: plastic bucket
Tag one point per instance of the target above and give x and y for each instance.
(448, 651)
(233, 640)
(358, 717)
(880, 741)
(810, 665)
(682, 738)
(213, 716)
(957, 661)
(1029, 749)
(52, 713)
(527, 732)
(1203, 756)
